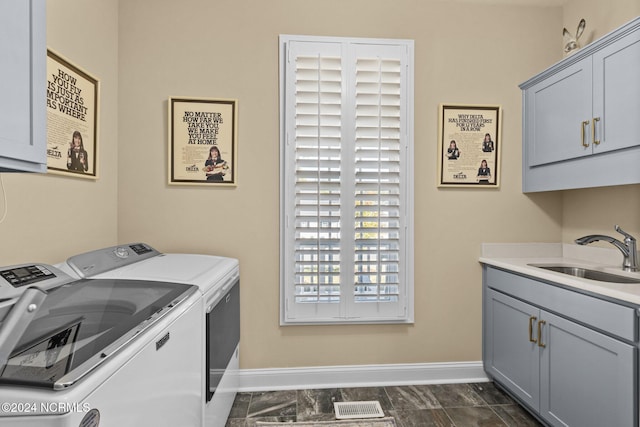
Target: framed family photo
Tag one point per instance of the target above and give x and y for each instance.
(202, 141)
(469, 145)
(72, 119)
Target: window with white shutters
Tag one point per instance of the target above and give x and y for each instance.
(346, 110)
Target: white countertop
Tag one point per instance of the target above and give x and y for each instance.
(516, 257)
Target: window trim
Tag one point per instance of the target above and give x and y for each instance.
(408, 262)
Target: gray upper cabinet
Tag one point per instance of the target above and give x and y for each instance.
(23, 125)
(580, 117)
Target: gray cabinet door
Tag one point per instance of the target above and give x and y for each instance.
(511, 358)
(23, 85)
(616, 94)
(586, 378)
(555, 109)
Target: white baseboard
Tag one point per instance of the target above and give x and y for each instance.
(359, 376)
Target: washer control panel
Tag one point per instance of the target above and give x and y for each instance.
(15, 279)
(26, 275)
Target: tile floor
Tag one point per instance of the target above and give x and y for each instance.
(439, 405)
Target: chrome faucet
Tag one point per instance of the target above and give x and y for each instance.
(628, 247)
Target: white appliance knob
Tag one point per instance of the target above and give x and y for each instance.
(121, 252)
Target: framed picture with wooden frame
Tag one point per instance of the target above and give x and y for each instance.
(469, 145)
(72, 119)
(202, 141)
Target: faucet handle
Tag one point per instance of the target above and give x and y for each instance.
(624, 233)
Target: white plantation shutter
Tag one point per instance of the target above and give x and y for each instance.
(377, 178)
(346, 246)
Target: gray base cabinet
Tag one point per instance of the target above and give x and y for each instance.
(570, 358)
(23, 133)
(580, 126)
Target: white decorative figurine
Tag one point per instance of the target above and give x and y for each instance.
(571, 44)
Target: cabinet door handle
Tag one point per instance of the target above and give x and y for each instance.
(532, 320)
(540, 343)
(593, 131)
(584, 123)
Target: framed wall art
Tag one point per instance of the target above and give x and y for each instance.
(469, 145)
(72, 119)
(202, 141)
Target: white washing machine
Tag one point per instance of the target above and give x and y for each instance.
(98, 352)
(218, 280)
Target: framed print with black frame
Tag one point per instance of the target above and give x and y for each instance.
(469, 145)
(202, 141)
(72, 119)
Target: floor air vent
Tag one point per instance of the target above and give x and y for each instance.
(349, 410)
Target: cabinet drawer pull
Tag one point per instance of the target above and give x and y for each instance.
(540, 343)
(584, 123)
(593, 131)
(532, 319)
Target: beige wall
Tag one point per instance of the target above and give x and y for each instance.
(51, 217)
(597, 210)
(464, 53)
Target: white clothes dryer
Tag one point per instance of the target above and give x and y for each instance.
(218, 280)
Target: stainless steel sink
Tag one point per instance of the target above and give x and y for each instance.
(586, 273)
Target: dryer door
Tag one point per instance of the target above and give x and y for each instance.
(223, 336)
